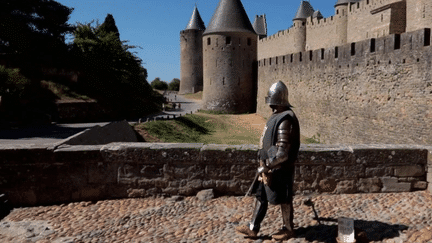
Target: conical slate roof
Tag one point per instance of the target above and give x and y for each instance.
(304, 11)
(342, 2)
(260, 25)
(196, 22)
(317, 14)
(230, 16)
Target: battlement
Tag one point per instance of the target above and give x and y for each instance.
(367, 5)
(380, 87)
(391, 45)
(280, 33)
(318, 23)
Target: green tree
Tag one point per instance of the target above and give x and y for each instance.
(110, 71)
(158, 84)
(33, 27)
(109, 25)
(174, 85)
(12, 83)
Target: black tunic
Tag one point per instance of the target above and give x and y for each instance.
(281, 186)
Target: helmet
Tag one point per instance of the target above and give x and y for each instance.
(278, 95)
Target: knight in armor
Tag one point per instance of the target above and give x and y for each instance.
(279, 146)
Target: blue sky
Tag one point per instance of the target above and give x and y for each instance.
(155, 24)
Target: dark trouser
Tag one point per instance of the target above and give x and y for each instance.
(280, 193)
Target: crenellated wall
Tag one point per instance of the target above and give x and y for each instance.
(32, 175)
(277, 44)
(315, 28)
(375, 19)
(352, 22)
(373, 91)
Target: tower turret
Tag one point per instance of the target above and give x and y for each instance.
(341, 21)
(260, 26)
(191, 56)
(299, 25)
(230, 60)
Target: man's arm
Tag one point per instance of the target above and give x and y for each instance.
(283, 145)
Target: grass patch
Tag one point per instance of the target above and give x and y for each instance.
(207, 128)
(313, 139)
(186, 129)
(62, 91)
(201, 128)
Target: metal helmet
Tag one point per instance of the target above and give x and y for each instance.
(278, 95)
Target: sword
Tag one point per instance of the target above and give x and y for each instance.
(263, 155)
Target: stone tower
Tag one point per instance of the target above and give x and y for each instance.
(230, 60)
(191, 55)
(299, 25)
(341, 21)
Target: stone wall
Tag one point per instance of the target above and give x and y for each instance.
(419, 14)
(276, 44)
(351, 23)
(38, 175)
(373, 91)
(316, 28)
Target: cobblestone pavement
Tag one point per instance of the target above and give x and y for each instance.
(389, 217)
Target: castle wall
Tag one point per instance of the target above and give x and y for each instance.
(31, 175)
(280, 43)
(230, 72)
(191, 61)
(355, 22)
(419, 14)
(373, 19)
(361, 92)
(316, 29)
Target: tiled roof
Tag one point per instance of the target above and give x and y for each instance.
(230, 16)
(196, 22)
(317, 14)
(304, 11)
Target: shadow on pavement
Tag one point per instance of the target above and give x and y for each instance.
(41, 131)
(375, 231)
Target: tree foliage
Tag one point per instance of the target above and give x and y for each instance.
(174, 85)
(109, 25)
(12, 83)
(111, 72)
(158, 84)
(33, 27)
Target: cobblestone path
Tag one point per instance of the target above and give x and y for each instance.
(389, 217)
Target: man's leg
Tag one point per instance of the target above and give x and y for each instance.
(287, 230)
(287, 209)
(288, 216)
(260, 210)
(258, 214)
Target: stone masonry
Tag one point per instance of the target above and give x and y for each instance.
(373, 91)
(32, 175)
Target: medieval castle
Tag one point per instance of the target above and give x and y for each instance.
(363, 75)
